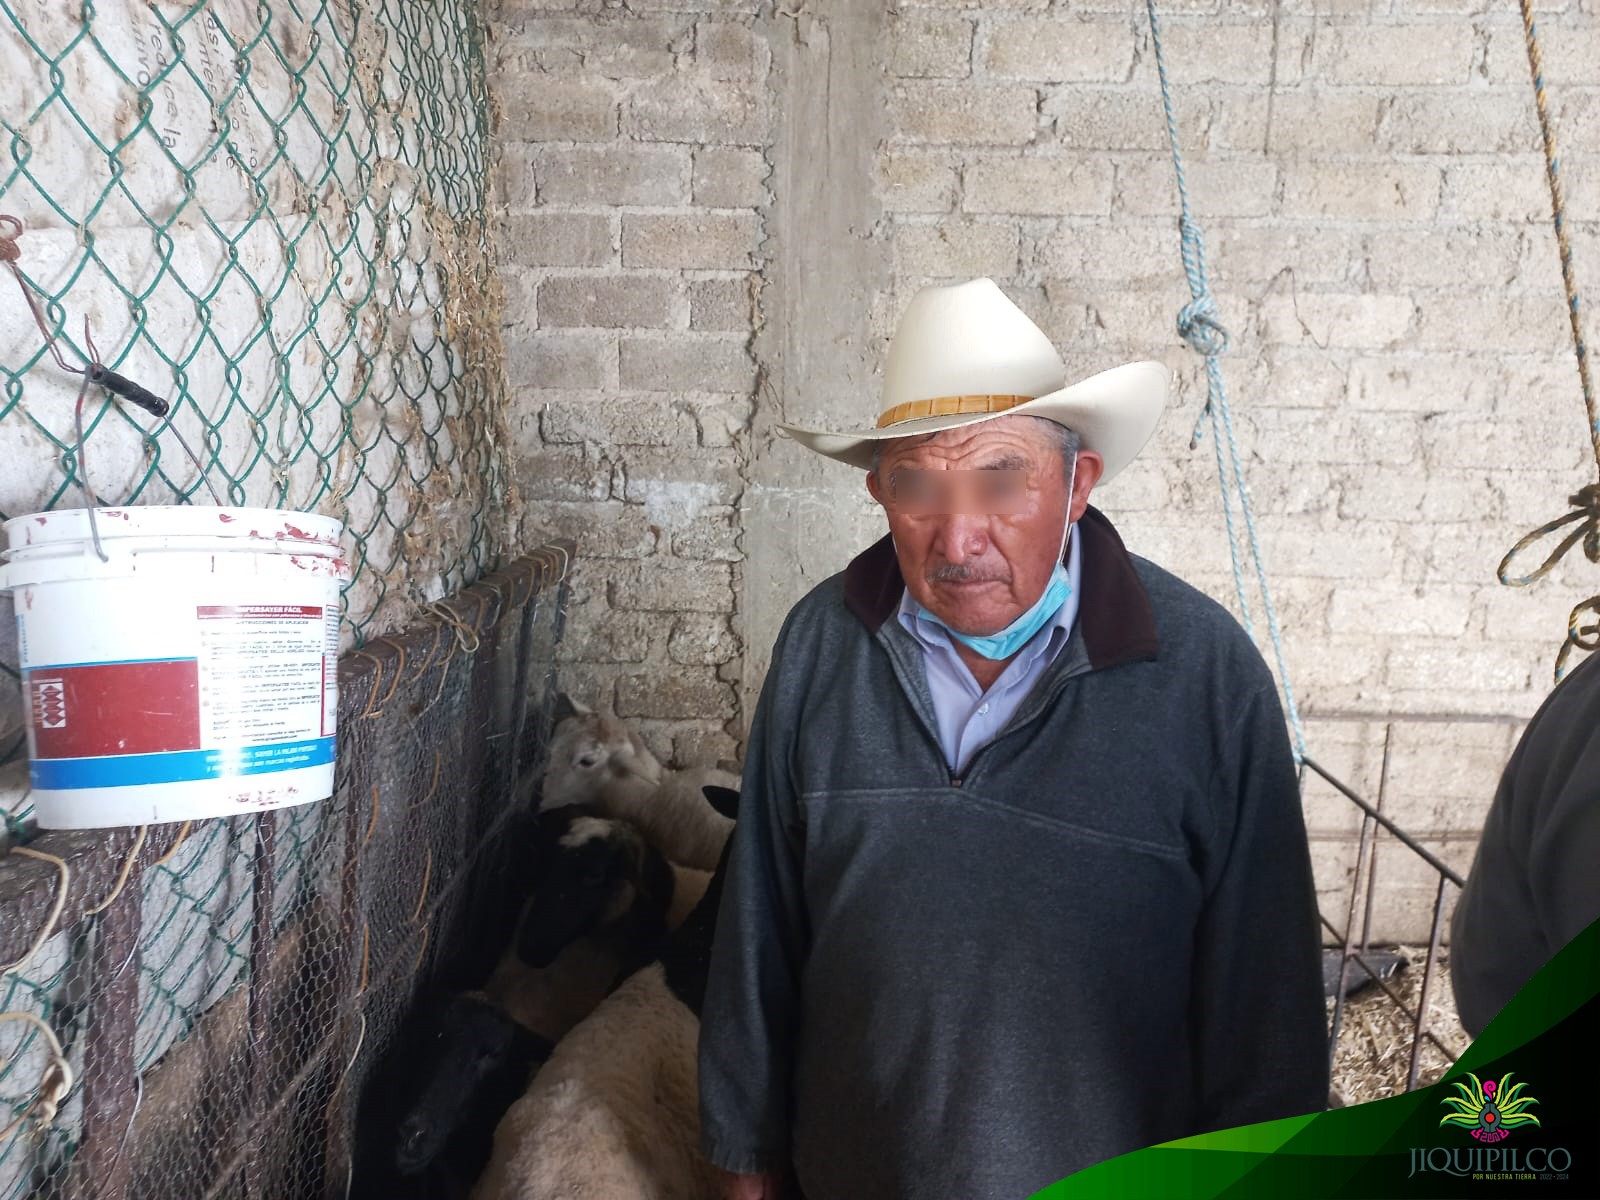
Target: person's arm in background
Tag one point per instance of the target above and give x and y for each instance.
(1535, 880)
(748, 1026)
(1257, 1014)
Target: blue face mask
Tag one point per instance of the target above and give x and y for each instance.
(1015, 635)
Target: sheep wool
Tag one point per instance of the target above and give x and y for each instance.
(613, 1115)
(595, 759)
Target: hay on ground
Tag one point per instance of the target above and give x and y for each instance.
(1375, 1036)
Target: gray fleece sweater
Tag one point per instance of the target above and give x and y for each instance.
(1103, 936)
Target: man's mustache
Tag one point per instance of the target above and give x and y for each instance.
(963, 573)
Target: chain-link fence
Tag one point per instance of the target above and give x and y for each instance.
(218, 1018)
(274, 216)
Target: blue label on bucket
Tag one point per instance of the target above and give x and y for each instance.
(181, 766)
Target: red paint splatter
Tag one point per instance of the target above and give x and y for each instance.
(226, 519)
(41, 520)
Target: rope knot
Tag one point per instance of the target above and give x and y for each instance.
(1200, 325)
(1583, 625)
(1199, 321)
(1587, 500)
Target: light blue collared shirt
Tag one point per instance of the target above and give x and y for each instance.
(969, 718)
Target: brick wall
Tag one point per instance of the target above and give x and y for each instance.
(1369, 180)
(633, 177)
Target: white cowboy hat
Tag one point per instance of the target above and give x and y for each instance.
(965, 353)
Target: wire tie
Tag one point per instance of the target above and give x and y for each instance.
(366, 930)
(183, 836)
(427, 873)
(45, 930)
(54, 1083)
(122, 876)
(463, 631)
(377, 679)
(372, 823)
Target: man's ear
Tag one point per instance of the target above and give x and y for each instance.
(1090, 467)
(873, 486)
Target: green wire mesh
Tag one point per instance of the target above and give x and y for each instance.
(276, 217)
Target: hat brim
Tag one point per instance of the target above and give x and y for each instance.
(1114, 414)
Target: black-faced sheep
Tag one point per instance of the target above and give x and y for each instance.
(427, 1123)
(471, 1061)
(605, 900)
(596, 759)
(602, 905)
(614, 1113)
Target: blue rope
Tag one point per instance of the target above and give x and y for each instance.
(1200, 325)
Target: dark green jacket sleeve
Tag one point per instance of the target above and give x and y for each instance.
(748, 1026)
(1257, 1014)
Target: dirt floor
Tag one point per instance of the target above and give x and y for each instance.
(1375, 1036)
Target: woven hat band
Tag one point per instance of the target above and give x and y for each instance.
(949, 406)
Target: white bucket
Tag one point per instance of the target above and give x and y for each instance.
(193, 674)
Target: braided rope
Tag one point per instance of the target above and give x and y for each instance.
(1199, 323)
(1586, 502)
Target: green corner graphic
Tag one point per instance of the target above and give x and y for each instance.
(1491, 1141)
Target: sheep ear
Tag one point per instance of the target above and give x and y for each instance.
(566, 707)
(724, 800)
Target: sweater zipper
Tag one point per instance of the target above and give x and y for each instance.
(1010, 726)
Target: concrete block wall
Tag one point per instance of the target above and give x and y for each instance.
(634, 179)
(717, 210)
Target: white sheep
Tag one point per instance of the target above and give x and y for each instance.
(596, 759)
(614, 1113)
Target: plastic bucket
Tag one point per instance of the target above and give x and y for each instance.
(192, 674)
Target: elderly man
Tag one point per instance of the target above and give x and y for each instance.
(1020, 880)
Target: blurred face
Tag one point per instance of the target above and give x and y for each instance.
(977, 515)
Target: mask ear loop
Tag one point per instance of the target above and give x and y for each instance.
(1066, 530)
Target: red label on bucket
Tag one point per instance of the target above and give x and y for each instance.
(260, 612)
(91, 709)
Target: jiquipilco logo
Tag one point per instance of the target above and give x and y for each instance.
(1489, 1110)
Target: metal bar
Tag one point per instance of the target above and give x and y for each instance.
(1388, 991)
(1384, 821)
(1372, 864)
(1427, 986)
(110, 1075)
(1368, 716)
(258, 1066)
(1349, 928)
